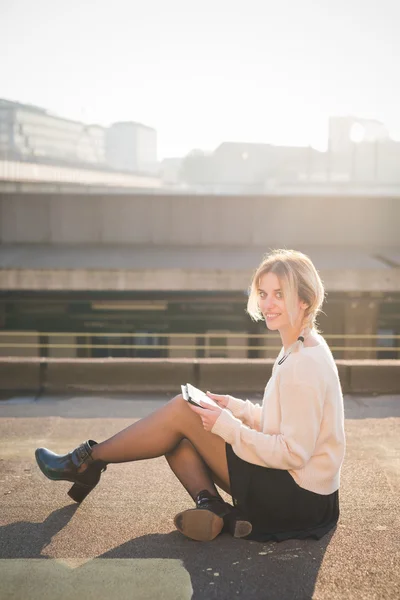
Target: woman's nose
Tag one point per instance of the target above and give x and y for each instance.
(269, 303)
(268, 307)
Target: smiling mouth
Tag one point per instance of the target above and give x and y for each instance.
(271, 316)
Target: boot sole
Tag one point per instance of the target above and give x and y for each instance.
(199, 524)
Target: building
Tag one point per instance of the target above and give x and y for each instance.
(32, 134)
(94, 275)
(360, 152)
(344, 131)
(132, 147)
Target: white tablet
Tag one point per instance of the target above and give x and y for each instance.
(194, 396)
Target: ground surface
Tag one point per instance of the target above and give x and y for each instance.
(121, 542)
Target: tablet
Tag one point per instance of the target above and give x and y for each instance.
(194, 395)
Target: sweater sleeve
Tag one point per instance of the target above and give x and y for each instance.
(301, 416)
(246, 411)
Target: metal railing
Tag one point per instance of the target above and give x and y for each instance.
(162, 341)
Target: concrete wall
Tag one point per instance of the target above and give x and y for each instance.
(166, 375)
(200, 220)
(170, 279)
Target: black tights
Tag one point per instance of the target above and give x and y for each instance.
(197, 457)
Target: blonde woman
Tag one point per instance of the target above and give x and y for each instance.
(280, 461)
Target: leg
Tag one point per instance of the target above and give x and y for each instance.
(160, 433)
(212, 513)
(156, 435)
(193, 454)
(192, 471)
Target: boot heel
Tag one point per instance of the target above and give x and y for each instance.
(78, 492)
(236, 524)
(241, 529)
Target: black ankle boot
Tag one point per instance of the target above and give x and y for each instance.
(234, 520)
(64, 467)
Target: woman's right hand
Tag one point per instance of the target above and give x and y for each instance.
(221, 399)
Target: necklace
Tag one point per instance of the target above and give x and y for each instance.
(299, 339)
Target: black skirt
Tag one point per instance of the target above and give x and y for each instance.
(278, 508)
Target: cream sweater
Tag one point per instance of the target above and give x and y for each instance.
(300, 425)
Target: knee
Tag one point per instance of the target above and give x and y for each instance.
(177, 401)
(178, 412)
(182, 446)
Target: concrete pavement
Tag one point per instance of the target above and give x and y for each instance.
(121, 542)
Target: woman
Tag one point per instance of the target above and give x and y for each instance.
(280, 461)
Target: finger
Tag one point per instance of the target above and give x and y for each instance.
(211, 408)
(205, 407)
(215, 396)
(195, 408)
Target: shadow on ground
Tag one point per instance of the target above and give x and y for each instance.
(224, 568)
(27, 540)
(245, 569)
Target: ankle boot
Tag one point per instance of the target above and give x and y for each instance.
(204, 522)
(64, 467)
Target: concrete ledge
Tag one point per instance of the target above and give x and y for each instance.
(117, 375)
(20, 375)
(65, 375)
(222, 376)
(344, 369)
(366, 378)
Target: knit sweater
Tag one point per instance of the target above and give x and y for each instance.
(300, 425)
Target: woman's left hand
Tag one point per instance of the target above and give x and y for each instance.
(208, 415)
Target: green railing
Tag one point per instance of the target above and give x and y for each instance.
(162, 341)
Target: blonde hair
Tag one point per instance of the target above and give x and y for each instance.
(298, 279)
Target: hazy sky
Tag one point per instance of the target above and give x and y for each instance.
(206, 72)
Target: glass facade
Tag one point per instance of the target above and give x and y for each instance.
(30, 133)
(43, 136)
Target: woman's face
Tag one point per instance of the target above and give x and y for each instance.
(272, 304)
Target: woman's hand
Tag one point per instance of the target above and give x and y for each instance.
(208, 415)
(221, 399)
